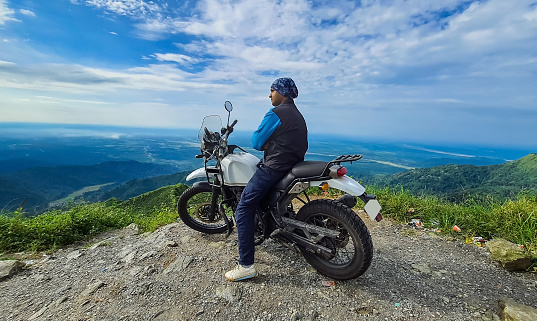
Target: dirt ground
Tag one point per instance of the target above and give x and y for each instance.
(176, 273)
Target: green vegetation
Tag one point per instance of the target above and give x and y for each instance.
(514, 220)
(136, 187)
(462, 182)
(488, 217)
(37, 187)
(58, 228)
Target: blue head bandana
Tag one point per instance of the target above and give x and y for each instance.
(286, 87)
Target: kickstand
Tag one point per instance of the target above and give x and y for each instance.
(229, 223)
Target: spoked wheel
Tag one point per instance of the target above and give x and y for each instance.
(194, 207)
(351, 251)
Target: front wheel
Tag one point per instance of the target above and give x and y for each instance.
(194, 207)
(352, 250)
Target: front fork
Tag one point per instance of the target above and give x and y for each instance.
(214, 199)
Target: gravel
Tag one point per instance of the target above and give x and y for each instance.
(176, 273)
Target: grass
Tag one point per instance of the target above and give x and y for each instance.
(57, 228)
(514, 220)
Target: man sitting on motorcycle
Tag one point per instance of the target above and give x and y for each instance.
(283, 137)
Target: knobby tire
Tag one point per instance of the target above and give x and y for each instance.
(187, 206)
(335, 215)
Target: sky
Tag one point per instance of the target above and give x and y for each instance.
(445, 71)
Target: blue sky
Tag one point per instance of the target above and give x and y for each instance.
(428, 71)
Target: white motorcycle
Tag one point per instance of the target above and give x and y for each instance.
(330, 235)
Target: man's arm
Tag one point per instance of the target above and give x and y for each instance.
(270, 122)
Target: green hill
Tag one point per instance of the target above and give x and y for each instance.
(456, 182)
(39, 186)
(135, 187)
(60, 227)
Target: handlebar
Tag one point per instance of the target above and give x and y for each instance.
(230, 128)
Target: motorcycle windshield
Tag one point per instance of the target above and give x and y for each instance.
(213, 123)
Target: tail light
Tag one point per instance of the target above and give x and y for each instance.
(337, 171)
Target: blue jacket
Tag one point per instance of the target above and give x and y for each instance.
(282, 136)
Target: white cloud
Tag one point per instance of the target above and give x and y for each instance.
(137, 8)
(386, 57)
(346, 44)
(78, 101)
(181, 59)
(27, 12)
(81, 79)
(262, 19)
(532, 15)
(6, 14)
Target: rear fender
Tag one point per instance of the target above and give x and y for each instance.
(343, 183)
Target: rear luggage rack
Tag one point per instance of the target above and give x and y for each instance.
(341, 159)
(346, 158)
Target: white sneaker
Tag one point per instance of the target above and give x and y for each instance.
(240, 273)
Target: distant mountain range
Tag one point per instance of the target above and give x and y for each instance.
(135, 187)
(456, 182)
(42, 188)
(37, 187)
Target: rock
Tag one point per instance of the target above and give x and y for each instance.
(168, 228)
(179, 264)
(38, 313)
(512, 311)
(135, 270)
(171, 244)
(73, 255)
(217, 245)
(129, 258)
(9, 267)
(296, 316)
(422, 267)
(90, 289)
(59, 301)
(131, 229)
(511, 256)
(96, 245)
(231, 293)
(146, 255)
(186, 239)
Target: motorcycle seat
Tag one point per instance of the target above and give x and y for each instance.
(308, 168)
(301, 170)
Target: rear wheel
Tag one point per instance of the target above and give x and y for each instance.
(352, 250)
(194, 207)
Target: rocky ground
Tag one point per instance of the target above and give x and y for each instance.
(176, 273)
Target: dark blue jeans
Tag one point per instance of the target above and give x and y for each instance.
(258, 186)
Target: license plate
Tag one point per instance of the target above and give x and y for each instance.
(372, 208)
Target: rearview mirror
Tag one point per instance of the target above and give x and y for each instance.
(228, 106)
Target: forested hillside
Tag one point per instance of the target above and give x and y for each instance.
(457, 182)
(38, 186)
(135, 187)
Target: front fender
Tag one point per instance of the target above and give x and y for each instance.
(200, 172)
(203, 185)
(343, 183)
